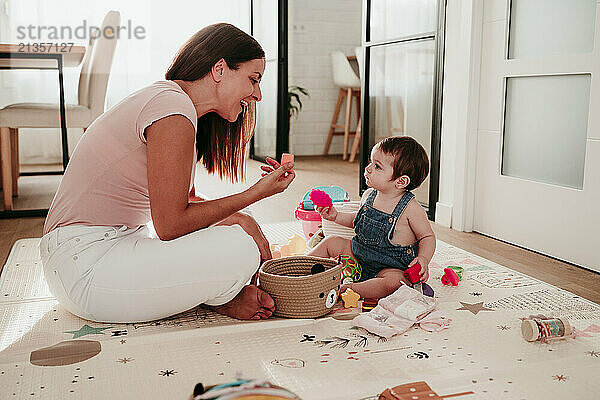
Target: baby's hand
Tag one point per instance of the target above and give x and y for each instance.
(424, 263)
(329, 213)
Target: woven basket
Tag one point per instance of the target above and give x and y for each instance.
(296, 292)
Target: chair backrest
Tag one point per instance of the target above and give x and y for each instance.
(94, 83)
(343, 74)
(358, 51)
(83, 89)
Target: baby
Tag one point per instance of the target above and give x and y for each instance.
(392, 229)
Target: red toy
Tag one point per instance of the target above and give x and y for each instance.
(413, 273)
(320, 198)
(286, 158)
(450, 277)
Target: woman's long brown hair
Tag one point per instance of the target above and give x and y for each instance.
(221, 144)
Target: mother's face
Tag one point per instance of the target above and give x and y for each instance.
(239, 87)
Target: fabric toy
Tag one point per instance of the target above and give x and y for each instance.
(413, 273)
(350, 298)
(320, 198)
(396, 313)
(450, 277)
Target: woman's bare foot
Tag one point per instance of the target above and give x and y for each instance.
(250, 303)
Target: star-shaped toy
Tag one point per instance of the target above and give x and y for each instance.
(87, 330)
(350, 298)
(474, 308)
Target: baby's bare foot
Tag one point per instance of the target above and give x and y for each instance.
(250, 303)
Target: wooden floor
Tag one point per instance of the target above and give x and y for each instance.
(314, 171)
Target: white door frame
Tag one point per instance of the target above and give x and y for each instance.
(460, 111)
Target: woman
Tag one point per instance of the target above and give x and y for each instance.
(135, 165)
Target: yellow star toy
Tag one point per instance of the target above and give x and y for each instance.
(350, 298)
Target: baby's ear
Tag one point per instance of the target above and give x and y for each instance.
(402, 182)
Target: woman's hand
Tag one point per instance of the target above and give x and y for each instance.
(273, 165)
(424, 263)
(329, 213)
(251, 227)
(275, 178)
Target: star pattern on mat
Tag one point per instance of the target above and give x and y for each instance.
(87, 330)
(560, 378)
(593, 353)
(503, 327)
(125, 360)
(123, 341)
(476, 294)
(167, 372)
(474, 308)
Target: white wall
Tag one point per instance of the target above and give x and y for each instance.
(137, 62)
(460, 114)
(316, 28)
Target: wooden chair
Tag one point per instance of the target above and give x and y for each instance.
(93, 82)
(349, 88)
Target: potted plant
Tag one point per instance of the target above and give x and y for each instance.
(294, 101)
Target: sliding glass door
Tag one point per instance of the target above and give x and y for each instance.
(269, 27)
(403, 51)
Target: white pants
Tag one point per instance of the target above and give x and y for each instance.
(111, 274)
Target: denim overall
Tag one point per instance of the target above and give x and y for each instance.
(372, 244)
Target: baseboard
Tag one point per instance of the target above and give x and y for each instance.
(443, 214)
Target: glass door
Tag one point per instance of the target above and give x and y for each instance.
(403, 52)
(269, 27)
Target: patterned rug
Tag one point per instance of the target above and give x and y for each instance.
(46, 352)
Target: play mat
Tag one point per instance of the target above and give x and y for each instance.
(45, 352)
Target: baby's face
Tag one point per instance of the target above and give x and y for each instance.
(380, 170)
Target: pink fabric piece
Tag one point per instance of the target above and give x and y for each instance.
(399, 311)
(106, 182)
(382, 322)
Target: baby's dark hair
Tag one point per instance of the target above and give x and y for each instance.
(410, 158)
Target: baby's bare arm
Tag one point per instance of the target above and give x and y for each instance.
(419, 223)
(345, 218)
